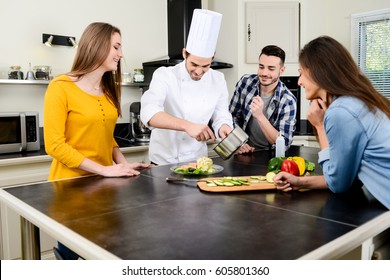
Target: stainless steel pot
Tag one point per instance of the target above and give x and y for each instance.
(231, 143)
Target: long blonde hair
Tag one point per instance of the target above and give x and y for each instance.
(93, 48)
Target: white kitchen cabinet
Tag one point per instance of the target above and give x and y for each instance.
(272, 23)
(141, 155)
(29, 170)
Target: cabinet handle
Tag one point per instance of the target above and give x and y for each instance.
(249, 32)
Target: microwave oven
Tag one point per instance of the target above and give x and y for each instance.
(19, 132)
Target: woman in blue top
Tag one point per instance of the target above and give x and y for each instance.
(352, 121)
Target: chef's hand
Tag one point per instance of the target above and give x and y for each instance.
(317, 112)
(224, 130)
(245, 149)
(200, 132)
(286, 182)
(257, 107)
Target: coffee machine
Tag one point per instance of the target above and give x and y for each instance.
(139, 131)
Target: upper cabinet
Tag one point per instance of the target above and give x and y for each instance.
(272, 23)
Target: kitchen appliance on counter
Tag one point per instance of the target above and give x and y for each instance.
(19, 132)
(139, 131)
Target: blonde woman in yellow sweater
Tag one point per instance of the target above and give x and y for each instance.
(81, 110)
(82, 107)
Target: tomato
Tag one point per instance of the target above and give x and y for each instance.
(290, 166)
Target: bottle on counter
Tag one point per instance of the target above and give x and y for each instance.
(138, 76)
(30, 74)
(280, 146)
(15, 73)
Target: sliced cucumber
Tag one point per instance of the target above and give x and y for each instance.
(218, 182)
(229, 181)
(270, 176)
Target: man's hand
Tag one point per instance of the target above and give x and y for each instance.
(257, 107)
(246, 149)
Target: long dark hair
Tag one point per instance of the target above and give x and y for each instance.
(332, 67)
(94, 46)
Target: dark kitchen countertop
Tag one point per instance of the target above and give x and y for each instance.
(144, 217)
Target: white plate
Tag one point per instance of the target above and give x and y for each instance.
(217, 168)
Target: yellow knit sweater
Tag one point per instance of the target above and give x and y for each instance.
(77, 125)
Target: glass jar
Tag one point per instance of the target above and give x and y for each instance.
(15, 73)
(42, 72)
(126, 78)
(138, 76)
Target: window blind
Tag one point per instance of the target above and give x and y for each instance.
(370, 38)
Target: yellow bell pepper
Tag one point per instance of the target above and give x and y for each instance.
(301, 164)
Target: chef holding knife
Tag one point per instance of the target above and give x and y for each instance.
(183, 99)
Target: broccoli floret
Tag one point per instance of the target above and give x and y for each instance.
(310, 166)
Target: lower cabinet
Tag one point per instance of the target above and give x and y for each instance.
(24, 171)
(139, 156)
(11, 237)
(20, 172)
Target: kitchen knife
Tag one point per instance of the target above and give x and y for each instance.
(175, 180)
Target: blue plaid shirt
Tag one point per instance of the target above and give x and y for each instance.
(281, 111)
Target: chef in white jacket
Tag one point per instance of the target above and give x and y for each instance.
(183, 99)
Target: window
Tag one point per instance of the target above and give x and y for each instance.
(371, 47)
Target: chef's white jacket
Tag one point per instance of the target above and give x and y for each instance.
(173, 91)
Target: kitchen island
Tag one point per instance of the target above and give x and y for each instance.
(146, 218)
(29, 168)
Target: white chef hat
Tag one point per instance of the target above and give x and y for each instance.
(203, 35)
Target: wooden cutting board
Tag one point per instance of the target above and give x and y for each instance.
(262, 185)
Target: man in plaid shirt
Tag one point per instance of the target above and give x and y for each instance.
(262, 105)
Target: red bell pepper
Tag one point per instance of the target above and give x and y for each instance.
(290, 166)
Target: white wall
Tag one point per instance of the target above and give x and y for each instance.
(144, 35)
(142, 24)
(318, 17)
